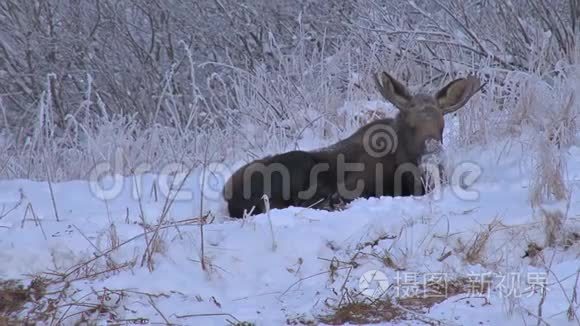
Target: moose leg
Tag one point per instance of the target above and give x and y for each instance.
(332, 202)
(337, 202)
(323, 194)
(333, 198)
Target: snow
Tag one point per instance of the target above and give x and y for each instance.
(305, 262)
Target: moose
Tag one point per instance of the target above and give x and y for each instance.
(382, 158)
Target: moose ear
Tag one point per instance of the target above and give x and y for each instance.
(393, 91)
(453, 96)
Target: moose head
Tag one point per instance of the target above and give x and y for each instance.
(420, 120)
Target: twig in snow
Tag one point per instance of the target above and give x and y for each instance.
(53, 200)
(309, 277)
(267, 207)
(34, 218)
(572, 309)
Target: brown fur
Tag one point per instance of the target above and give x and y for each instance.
(323, 177)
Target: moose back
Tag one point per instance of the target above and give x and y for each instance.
(382, 158)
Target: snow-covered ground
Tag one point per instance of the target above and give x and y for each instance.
(295, 265)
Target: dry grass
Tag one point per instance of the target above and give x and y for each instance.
(553, 223)
(14, 297)
(58, 307)
(571, 239)
(387, 309)
(549, 182)
(363, 313)
(563, 126)
(474, 251)
(533, 250)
